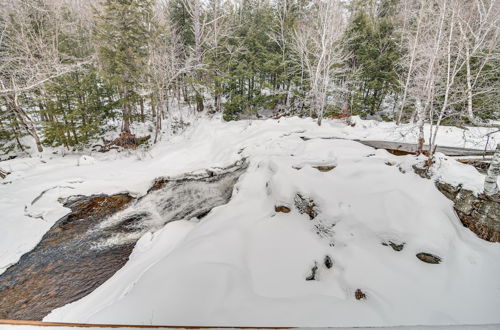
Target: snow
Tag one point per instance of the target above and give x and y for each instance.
(244, 264)
(446, 170)
(86, 160)
(458, 327)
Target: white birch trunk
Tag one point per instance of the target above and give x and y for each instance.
(470, 113)
(490, 182)
(420, 124)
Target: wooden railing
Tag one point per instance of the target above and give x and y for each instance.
(89, 325)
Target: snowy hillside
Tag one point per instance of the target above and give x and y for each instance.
(310, 223)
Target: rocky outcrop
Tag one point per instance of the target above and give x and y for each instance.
(394, 246)
(359, 295)
(282, 209)
(479, 213)
(306, 205)
(314, 270)
(324, 168)
(328, 262)
(428, 258)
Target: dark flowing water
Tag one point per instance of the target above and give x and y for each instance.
(86, 247)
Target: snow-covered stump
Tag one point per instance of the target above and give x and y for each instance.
(490, 182)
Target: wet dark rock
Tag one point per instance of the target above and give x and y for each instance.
(307, 206)
(201, 216)
(314, 271)
(282, 209)
(428, 258)
(158, 184)
(394, 246)
(324, 168)
(328, 262)
(359, 294)
(63, 267)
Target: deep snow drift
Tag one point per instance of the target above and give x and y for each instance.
(246, 264)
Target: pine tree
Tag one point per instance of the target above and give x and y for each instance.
(255, 73)
(75, 109)
(123, 35)
(371, 42)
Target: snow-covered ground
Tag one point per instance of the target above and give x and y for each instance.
(456, 327)
(244, 264)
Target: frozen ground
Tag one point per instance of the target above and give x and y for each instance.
(244, 264)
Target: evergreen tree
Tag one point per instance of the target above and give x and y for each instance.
(76, 108)
(123, 34)
(375, 53)
(182, 20)
(254, 75)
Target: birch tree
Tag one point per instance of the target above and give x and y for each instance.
(452, 60)
(318, 44)
(427, 39)
(478, 23)
(412, 40)
(490, 182)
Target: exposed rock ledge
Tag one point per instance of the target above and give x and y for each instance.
(480, 213)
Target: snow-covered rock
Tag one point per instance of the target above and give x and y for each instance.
(246, 264)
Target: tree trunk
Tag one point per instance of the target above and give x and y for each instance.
(27, 123)
(199, 102)
(490, 182)
(217, 97)
(470, 113)
(126, 114)
(141, 102)
(420, 125)
(158, 122)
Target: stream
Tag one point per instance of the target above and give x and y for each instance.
(91, 243)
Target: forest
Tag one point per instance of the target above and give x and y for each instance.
(249, 163)
(72, 69)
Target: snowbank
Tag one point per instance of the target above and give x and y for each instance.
(244, 263)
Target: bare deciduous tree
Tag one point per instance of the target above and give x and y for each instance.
(30, 53)
(478, 22)
(442, 41)
(318, 44)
